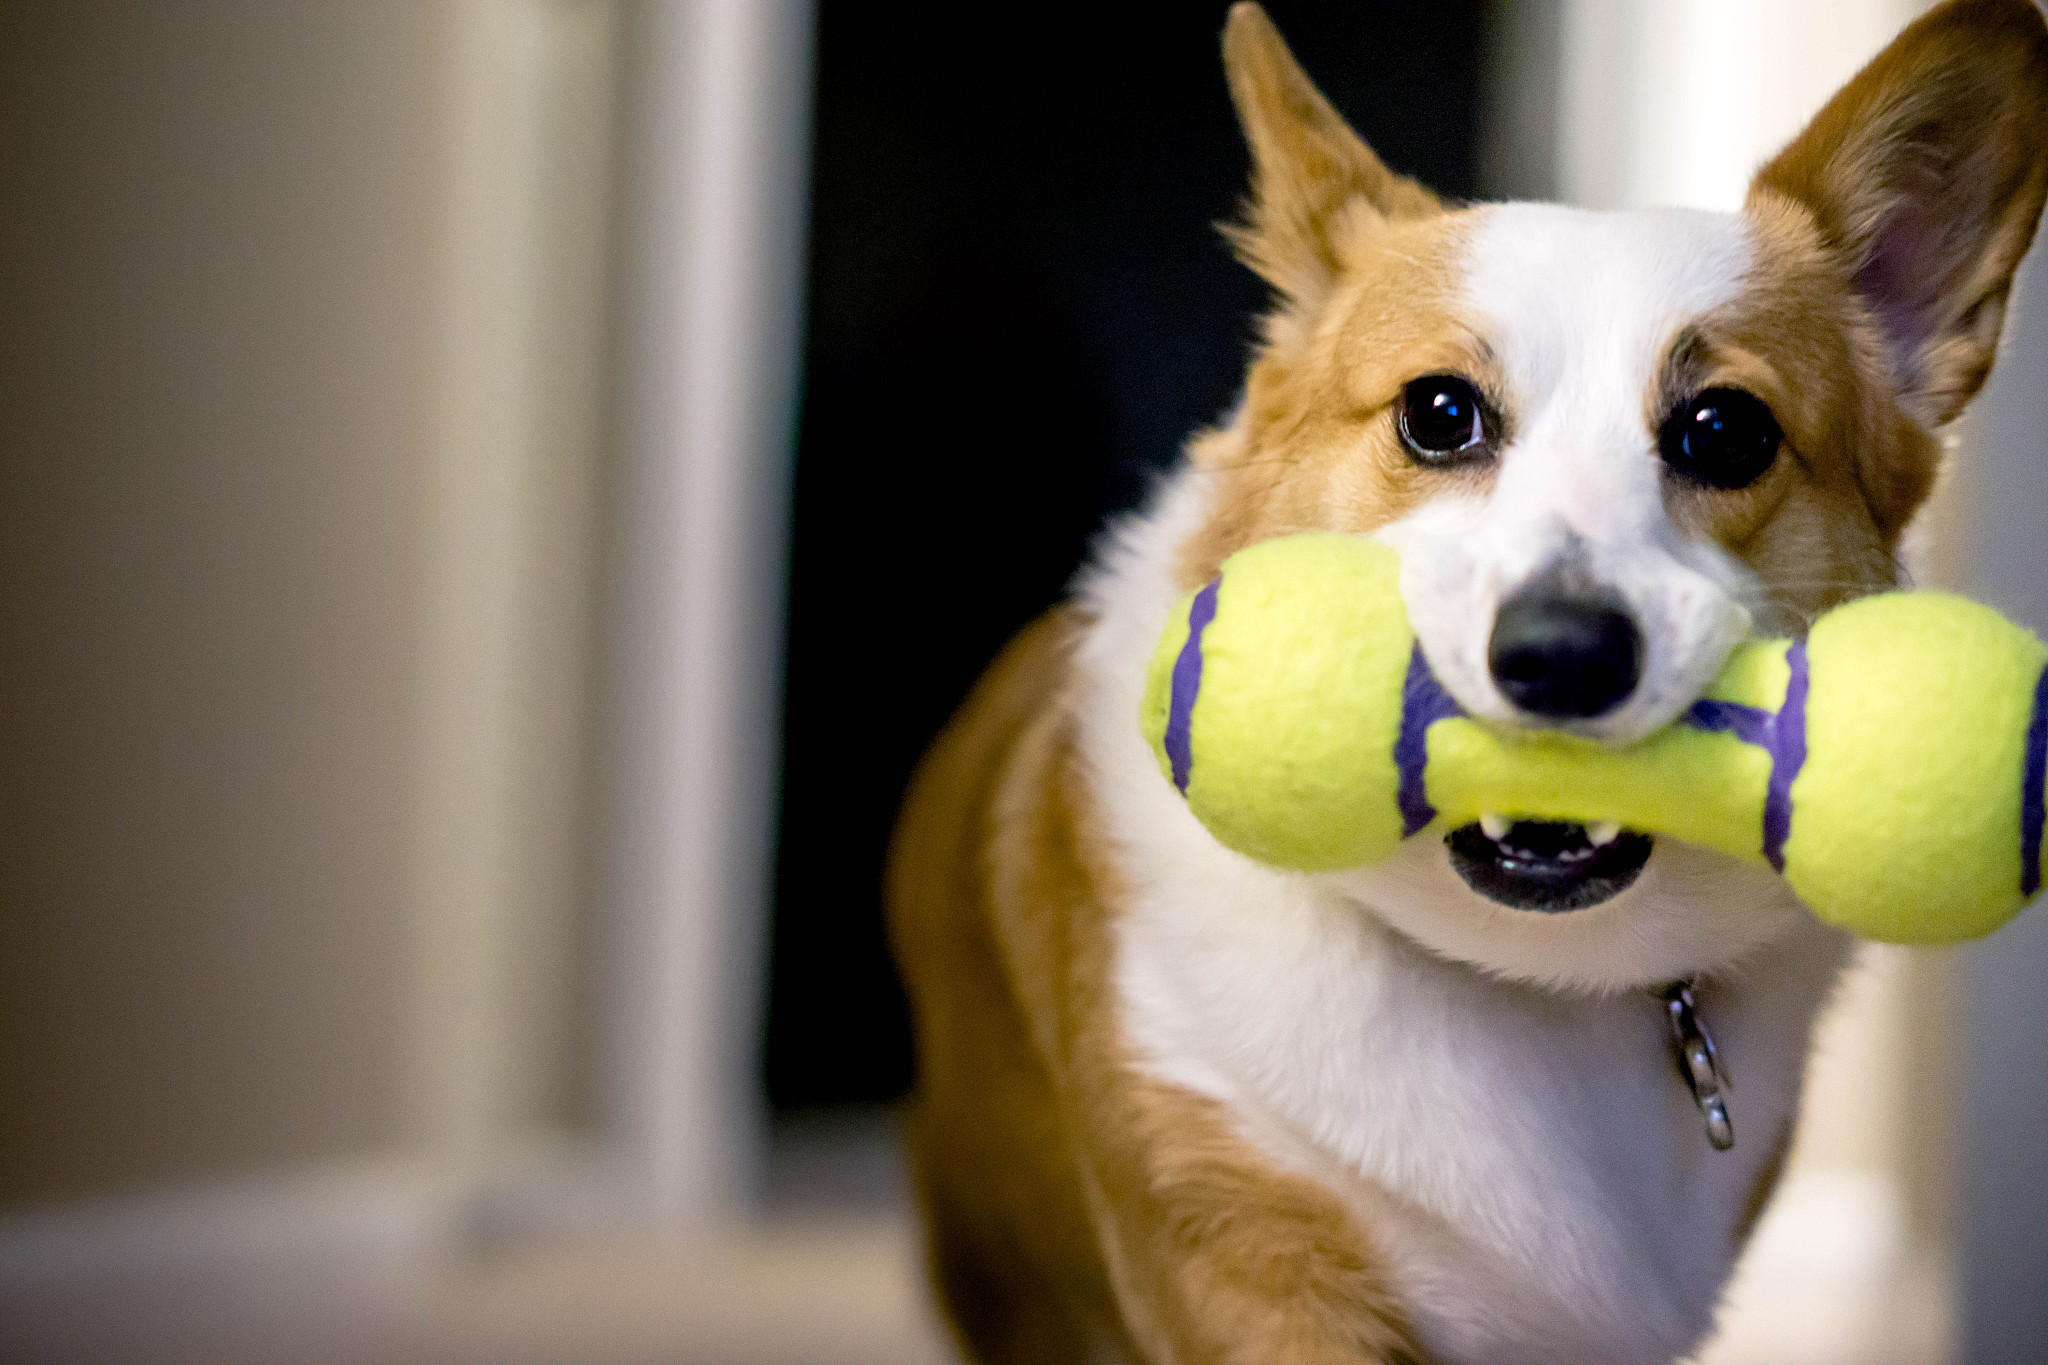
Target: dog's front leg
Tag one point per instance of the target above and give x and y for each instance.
(1214, 1255)
(1218, 1257)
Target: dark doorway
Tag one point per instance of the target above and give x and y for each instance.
(1019, 309)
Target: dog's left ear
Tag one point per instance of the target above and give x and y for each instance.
(1926, 172)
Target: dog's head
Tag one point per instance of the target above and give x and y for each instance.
(1611, 445)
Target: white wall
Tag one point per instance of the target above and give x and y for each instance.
(506, 629)
(711, 301)
(2004, 1219)
(400, 407)
(1678, 101)
(222, 244)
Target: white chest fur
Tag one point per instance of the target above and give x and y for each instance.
(1527, 1160)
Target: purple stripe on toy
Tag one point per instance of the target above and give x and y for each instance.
(1787, 746)
(1750, 724)
(1782, 735)
(1187, 684)
(1423, 703)
(2034, 791)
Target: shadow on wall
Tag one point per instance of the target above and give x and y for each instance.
(1018, 311)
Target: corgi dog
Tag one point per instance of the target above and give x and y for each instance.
(1175, 1106)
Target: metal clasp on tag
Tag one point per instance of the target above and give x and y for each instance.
(1698, 1063)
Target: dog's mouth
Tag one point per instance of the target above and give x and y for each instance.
(1546, 866)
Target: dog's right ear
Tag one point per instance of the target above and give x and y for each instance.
(1926, 174)
(1314, 181)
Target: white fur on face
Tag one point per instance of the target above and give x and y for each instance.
(1579, 309)
(1528, 1163)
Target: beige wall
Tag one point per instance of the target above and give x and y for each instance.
(271, 377)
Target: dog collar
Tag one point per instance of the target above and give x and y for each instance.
(1699, 1064)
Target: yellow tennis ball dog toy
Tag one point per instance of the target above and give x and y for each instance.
(1890, 765)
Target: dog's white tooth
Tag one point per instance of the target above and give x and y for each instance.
(1603, 833)
(1494, 825)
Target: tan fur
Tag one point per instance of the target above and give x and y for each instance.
(1318, 449)
(1822, 525)
(1010, 1236)
(1072, 1203)
(1937, 141)
(1077, 1209)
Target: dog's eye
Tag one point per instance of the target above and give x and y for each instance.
(1723, 438)
(1440, 419)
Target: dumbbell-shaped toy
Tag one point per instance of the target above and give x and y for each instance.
(1890, 765)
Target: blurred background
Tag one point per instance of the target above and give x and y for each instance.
(496, 494)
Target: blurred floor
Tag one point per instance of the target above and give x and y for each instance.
(829, 1276)
(840, 1290)
(826, 1293)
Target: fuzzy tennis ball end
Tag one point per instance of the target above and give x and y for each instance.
(1285, 675)
(1909, 820)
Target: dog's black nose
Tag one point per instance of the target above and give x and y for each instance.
(1568, 655)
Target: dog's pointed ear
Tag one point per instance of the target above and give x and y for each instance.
(1313, 179)
(1926, 173)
